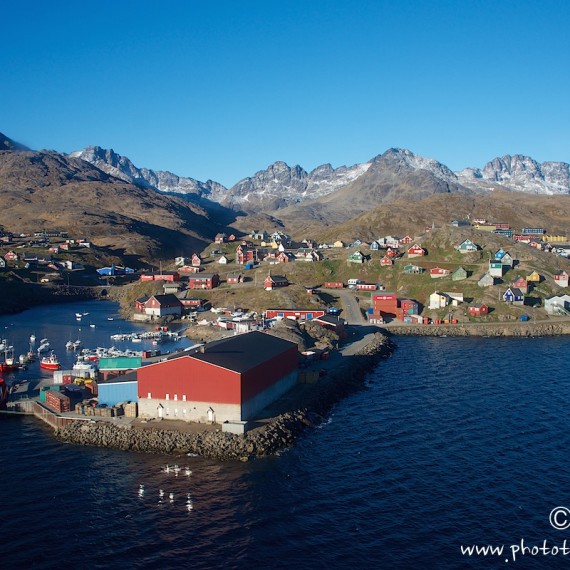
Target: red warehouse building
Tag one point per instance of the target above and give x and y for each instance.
(231, 380)
(385, 304)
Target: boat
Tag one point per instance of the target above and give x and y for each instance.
(76, 344)
(8, 363)
(92, 325)
(69, 345)
(3, 393)
(44, 347)
(50, 362)
(32, 338)
(44, 340)
(78, 315)
(109, 318)
(84, 314)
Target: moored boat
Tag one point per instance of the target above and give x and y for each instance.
(50, 362)
(3, 393)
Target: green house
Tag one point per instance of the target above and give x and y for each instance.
(459, 274)
(356, 257)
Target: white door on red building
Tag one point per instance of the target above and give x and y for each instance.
(160, 411)
(210, 415)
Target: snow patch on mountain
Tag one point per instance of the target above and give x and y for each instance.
(519, 173)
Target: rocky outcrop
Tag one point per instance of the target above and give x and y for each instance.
(498, 330)
(280, 432)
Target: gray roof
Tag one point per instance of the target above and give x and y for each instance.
(245, 351)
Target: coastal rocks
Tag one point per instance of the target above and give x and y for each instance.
(278, 434)
(494, 330)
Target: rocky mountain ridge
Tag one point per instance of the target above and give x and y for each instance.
(519, 173)
(397, 173)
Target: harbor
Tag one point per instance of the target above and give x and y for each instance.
(47, 349)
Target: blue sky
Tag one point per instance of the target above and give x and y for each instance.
(221, 89)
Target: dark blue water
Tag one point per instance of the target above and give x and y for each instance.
(59, 324)
(454, 442)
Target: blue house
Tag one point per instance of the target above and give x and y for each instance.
(500, 253)
(514, 296)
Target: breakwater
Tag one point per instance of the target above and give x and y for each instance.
(486, 330)
(344, 377)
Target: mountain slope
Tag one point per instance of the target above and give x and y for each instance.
(121, 167)
(397, 174)
(519, 173)
(280, 185)
(49, 190)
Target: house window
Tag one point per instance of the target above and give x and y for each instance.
(149, 396)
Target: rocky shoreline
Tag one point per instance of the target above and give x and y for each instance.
(277, 434)
(493, 330)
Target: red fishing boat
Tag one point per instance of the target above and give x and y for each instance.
(3, 393)
(7, 362)
(50, 362)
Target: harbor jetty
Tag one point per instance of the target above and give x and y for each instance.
(305, 406)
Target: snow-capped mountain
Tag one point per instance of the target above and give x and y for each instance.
(395, 174)
(121, 167)
(519, 173)
(280, 185)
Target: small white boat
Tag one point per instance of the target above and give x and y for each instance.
(76, 344)
(32, 338)
(78, 315)
(69, 345)
(109, 318)
(85, 314)
(43, 341)
(92, 325)
(44, 347)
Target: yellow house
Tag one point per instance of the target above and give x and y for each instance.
(338, 243)
(534, 277)
(274, 244)
(485, 227)
(554, 239)
(265, 244)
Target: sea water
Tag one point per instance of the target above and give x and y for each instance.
(454, 443)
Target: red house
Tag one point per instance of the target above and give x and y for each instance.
(11, 256)
(189, 269)
(204, 281)
(366, 287)
(333, 285)
(478, 309)
(245, 254)
(220, 238)
(299, 314)
(416, 251)
(224, 381)
(407, 239)
(391, 253)
(273, 281)
(140, 303)
(561, 279)
(386, 261)
(234, 278)
(522, 284)
(436, 272)
(196, 261)
(164, 276)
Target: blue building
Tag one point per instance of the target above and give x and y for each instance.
(123, 389)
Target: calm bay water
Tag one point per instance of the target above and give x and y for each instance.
(453, 442)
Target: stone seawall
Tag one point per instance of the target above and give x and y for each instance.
(494, 330)
(279, 433)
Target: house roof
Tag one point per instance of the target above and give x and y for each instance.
(202, 276)
(166, 300)
(245, 351)
(331, 320)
